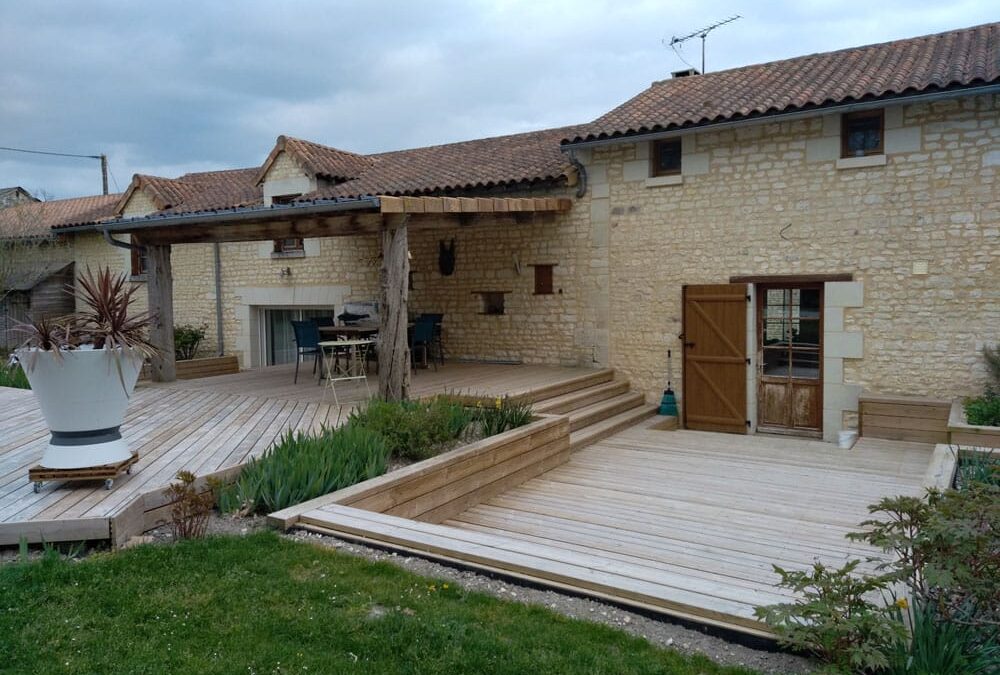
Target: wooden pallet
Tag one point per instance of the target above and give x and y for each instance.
(38, 474)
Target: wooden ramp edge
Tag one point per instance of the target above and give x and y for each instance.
(579, 573)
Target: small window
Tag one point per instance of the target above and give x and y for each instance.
(493, 302)
(140, 262)
(667, 157)
(292, 245)
(543, 279)
(861, 133)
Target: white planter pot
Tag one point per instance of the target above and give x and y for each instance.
(83, 395)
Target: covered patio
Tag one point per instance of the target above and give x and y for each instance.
(389, 219)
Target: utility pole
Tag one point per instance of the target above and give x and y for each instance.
(102, 157)
(700, 33)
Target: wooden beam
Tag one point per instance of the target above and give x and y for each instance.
(790, 278)
(329, 226)
(160, 289)
(413, 204)
(391, 204)
(451, 205)
(394, 347)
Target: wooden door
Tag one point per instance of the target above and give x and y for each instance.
(715, 365)
(790, 359)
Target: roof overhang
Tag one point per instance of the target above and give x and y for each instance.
(785, 116)
(320, 218)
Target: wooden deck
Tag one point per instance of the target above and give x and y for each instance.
(481, 379)
(207, 426)
(684, 523)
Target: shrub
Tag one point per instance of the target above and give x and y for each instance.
(303, 466)
(414, 429)
(984, 410)
(834, 620)
(187, 339)
(13, 376)
(947, 554)
(190, 509)
(505, 414)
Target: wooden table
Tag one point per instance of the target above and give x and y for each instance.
(354, 367)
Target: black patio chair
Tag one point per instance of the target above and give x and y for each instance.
(421, 337)
(306, 344)
(436, 343)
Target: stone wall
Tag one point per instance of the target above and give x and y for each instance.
(776, 199)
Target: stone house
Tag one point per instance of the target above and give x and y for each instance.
(791, 233)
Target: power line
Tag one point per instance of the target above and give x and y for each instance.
(102, 157)
(46, 152)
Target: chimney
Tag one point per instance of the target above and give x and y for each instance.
(685, 73)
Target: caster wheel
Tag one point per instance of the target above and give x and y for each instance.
(128, 471)
(108, 483)
(36, 486)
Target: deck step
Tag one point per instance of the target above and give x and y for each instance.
(560, 405)
(575, 384)
(595, 432)
(602, 410)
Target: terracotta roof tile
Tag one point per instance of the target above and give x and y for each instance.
(516, 159)
(37, 218)
(959, 58)
(324, 161)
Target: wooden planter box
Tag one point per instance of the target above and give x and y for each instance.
(965, 434)
(441, 487)
(208, 367)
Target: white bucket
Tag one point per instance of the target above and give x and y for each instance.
(846, 439)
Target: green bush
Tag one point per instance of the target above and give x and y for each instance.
(505, 414)
(984, 410)
(13, 376)
(414, 429)
(303, 466)
(946, 548)
(187, 339)
(834, 619)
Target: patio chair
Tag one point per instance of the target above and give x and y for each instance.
(421, 337)
(436, 343)
(306, 344)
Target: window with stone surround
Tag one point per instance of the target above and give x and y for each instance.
(493, 302)
(292, 246)
(666, 157)
(861, 133)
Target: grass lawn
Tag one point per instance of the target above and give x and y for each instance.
(262, 604)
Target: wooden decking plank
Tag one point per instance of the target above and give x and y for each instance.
(550, 563)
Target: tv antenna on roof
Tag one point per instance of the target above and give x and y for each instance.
(700, 33)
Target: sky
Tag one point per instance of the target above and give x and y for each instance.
(168, 88)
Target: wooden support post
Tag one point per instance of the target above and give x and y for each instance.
(160, 287)
(394, 345)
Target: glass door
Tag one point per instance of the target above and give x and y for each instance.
(279, 336)
(790, 357)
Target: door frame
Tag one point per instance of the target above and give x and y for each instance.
(759, 289)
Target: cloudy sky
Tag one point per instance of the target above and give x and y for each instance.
(171, 87)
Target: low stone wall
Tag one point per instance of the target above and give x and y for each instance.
(440, 488)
